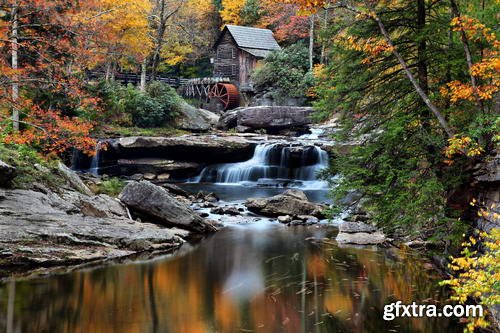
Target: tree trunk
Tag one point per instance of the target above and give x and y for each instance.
(311, 42)
(324, 40)
(160, 32)
(15, 65)
(160, 35)
(442, 121)
(421, 47)
(142, 86)
(108, 71)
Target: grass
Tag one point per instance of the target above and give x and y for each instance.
(24, 159)
(137, 131)
(111, 187)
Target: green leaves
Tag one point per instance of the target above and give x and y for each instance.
(285, 72)
(129, 106)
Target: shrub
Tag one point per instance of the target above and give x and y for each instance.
(286, 72)
(167, 97)
(111, 187)
(128, 106)
(479, 274)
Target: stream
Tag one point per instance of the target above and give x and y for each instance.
(254, 277)
(262, 277)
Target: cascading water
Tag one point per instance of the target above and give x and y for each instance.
(94, 164)
(276, 165)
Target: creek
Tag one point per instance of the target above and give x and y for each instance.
(253, 277)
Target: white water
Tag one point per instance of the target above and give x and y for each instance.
(273, 165)
(94, 164)
(315, 134)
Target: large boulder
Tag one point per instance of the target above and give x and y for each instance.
(266, 117)
(274, 117)
(159, 205)
(7, 173)
(194, 119)
(228, 120)
(291, 202)
(359, 233)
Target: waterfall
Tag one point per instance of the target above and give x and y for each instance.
(276, 165)
(94, 164)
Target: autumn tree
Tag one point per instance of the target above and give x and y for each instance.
(288, 25)
(231, 11)
(43, 57)
(182, 29)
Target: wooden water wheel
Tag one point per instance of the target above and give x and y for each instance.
(227, 94)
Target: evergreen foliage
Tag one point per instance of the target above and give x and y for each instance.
(408, 170)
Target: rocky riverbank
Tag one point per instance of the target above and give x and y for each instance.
(43, 226)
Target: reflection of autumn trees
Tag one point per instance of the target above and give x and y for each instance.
(267, 282)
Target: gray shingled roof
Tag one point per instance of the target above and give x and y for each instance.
(253, 38)
(259, 53)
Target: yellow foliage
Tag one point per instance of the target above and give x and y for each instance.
(372, 47)
(478, 274)
(175, 53)
(231, 10)
(462, 145)
(124, 26)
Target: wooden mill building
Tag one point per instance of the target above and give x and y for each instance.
(238, 51)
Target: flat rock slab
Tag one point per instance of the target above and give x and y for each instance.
(46, 229)
(291, 202)
(355, 227)
(52, 239)
(158, 204)
(361, 238)
(154, 165)
(185, 141)
(274, 116)
(202, 149)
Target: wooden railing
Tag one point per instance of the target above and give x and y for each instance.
(132, 78)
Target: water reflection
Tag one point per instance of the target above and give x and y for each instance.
(244, 279)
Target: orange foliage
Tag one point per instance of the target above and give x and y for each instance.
(54, 52)
(284, 21)
(486, 70)
(53, 133)
(372, 47)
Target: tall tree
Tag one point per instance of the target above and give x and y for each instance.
(409, 90)
(46, 46)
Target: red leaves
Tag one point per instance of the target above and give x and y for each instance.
(54, 134)
(53, 52)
